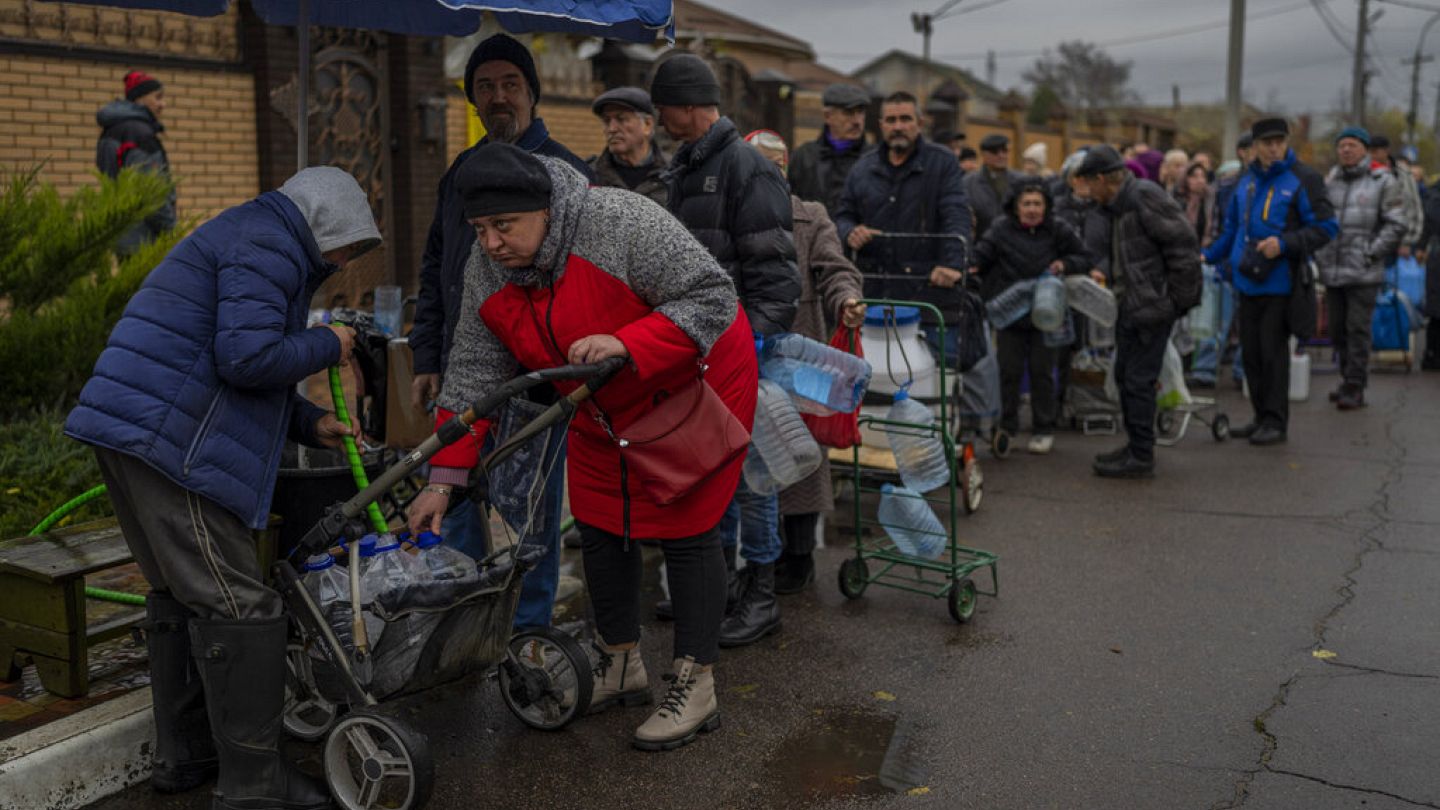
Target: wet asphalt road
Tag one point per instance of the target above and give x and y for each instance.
(1254, 627)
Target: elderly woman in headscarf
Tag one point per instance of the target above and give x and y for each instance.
(831, 289)
(563, 273)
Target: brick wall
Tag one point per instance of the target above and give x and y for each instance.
(47, 113)
(417, 73)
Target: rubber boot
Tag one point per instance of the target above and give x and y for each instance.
(757, 614)
(184, 750)
(688, 709)
(619, 678)
(242, 663)
(734, 584)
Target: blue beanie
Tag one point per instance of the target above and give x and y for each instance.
(1358, 133)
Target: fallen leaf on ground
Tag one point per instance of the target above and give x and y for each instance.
(745, 689)
(1324, 655)
(883, 695)
(917, 791)
(1117, 651)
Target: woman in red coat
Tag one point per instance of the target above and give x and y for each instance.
(570, 274)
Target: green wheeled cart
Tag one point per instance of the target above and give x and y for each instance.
(877, 561)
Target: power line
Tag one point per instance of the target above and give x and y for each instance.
(1406, 4)
(1332, 25)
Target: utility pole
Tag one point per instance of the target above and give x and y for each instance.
(1233, 67)
(1435, 123)
(1358, 77)
(1415, 62)
(924, 25)
(990, 67)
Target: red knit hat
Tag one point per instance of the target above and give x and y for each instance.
(139, 83)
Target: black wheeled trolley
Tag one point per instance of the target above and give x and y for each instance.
(341, 692)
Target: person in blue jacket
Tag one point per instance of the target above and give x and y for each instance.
(187, 410)
(1278, 217)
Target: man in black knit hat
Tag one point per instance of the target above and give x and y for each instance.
(738, 205)
(501, 82)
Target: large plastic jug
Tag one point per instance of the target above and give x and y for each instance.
(390, 574)
(1204, 319)
(1299, 376)
(1089, 298)
(782, 451)
(823, 380)
(1012, 304)
(1047, 309)
(441, 563)
(910, 522)
(919, 453)
(326, 582)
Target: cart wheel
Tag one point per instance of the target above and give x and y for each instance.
(854, 576)
(972, 480)
(308, 716)
(1220, 427)
(376, 761)
(545, 678)
(962, 600)
(1000, 443)
(1165, 423)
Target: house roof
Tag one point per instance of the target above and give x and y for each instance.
(957, 74)
(694, 20)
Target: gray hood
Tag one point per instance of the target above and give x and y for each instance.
(335, 207)
(121, 110)
(568, 189)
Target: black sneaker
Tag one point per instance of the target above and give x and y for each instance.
(1351, 397)
(1245, 431)
(1127, 467)
(1114, 455)
(1267, 435)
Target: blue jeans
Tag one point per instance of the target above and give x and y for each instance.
(754, 522)
(464, 528)
(1206, 363)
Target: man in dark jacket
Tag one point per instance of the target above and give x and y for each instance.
(130, 139)
(1278, 217)
(1154, 270)
(188, 408)
(989, 188)
(500, 80)
(818, 169)
(632, 159)
(911, 186)
(736, 203)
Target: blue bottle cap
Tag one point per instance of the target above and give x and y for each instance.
(428, 540)
(319, 562)
(887, 489)
(878, 314)
(903, 393)
(368, 544)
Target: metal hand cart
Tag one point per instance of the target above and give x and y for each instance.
(373, 757)
(947, 577)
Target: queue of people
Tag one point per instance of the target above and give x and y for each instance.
(680, 265)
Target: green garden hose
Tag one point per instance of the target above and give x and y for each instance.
(357, 465)
(59, 515)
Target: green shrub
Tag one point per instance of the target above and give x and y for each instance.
(61, 286)
(40, 469)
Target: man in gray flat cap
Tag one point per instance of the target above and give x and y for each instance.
(818, 168)
(631, 159)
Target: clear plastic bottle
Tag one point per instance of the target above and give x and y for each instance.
(910, 522)
(784, 448)
(1047, 309)
(1012, 304)
(822, 379)
(919, 454)
(442, 563)
(326, 582)
(1088, 297)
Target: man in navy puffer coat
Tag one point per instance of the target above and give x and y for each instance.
(187, 410)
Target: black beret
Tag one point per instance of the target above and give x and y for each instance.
(1378, 141)
(500, 178)
(968, 154)
(1269, 128)
(685, 80)
(845, 96)
(502, 48)
(1100, 160)
(1245, 141)
(632, 97)
(994, 143)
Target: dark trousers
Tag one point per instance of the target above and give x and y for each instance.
(187, 545)
(697, 575)
(1351, 310)
(798, 532)
(1265, 345)
(1021, 347)
(1139, 354)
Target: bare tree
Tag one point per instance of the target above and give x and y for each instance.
(1083, 75)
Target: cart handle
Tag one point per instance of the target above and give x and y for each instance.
(596, 375)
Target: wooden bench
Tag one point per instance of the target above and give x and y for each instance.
(42, 601)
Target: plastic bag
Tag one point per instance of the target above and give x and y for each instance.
(517, 484)
(1408, 275)
(1204, 320)
(1173, 391)
(980, 388)
(840, 430)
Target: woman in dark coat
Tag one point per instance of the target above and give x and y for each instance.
(1025, 244)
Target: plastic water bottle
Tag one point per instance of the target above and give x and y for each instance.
(1047, 310)
(910, 522)
(326, 582)
(782, 448)
(441, 563)
(822, 379)
(919, 454)
(1012, 304)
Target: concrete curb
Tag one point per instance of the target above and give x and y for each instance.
(79, 759)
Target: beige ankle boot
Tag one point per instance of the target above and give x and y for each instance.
(619, 678)
(687, 709)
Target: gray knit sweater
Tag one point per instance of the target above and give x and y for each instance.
(623, 234)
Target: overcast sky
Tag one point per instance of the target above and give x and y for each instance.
(1289, 54)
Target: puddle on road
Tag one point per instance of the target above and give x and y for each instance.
(843, 753)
